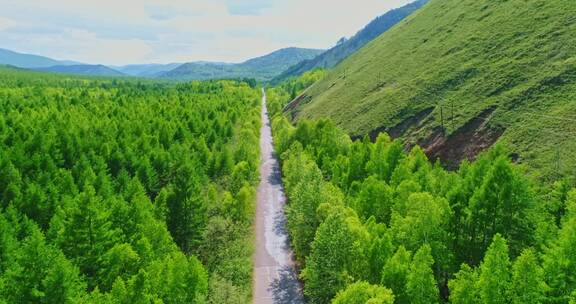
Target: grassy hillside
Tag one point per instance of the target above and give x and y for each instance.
(458, 76)
(262, 68)
(335, 55)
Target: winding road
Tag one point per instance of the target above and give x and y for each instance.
(275, 276)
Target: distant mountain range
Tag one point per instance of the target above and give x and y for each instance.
(262, 68)
(82, 69)
(335, 55)
(146, 70)
(28, 61)
(45, 64)
(274, 67)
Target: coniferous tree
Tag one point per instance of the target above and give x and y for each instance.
(85, 233)
(187, 209)
(121, 261)
(326, 268)
(494, 279)
(395, 274)
(527, 285)
(304, 200)
(500, 206)
(385, 155)
(463, 288)
(421, 286)
(425, 220)
(560, 258)
(363, 292)
(10, 184)
(39, 273)
(380, 249)
(375, 199)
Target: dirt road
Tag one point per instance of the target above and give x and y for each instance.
(275, 278)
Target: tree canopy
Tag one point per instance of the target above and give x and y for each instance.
(484, 233)
(111, 190)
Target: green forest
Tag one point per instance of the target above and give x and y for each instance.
(134, 191)
(372, 223)
(275, 152)
(126, 191)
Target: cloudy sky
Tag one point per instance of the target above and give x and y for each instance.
(163, 31)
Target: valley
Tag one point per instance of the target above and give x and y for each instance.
(429, 158)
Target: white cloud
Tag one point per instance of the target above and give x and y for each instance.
(81, 43)
(83, 46)
(131, 31)
(6, 23)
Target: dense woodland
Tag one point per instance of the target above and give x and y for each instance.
(125, 191)
(143, 192)
(372, 223)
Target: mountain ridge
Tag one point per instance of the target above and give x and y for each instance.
(336, 54)
(82, 69)
(261, 68)
(145, 70)
(28, 61)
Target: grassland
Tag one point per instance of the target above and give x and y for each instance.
(458, 76)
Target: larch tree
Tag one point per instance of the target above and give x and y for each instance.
(424, 221)
(362, 293)
(463, 288)
(304, 200)
(326, 268)
(85, 233)
(528, 285)
(186, 216)
(40, 273)
(500, 205)
(421, 286)
(559, 260)
(395, 274)
(375, 199)
(494, 280)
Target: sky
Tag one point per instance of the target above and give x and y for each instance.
(118, 32)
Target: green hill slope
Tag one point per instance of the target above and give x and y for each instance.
(458, 76)
(262, 68)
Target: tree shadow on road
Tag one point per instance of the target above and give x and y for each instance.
(281, 230)
(286, 289)
(275, 177)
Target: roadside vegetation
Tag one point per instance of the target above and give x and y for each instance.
(370, 222)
